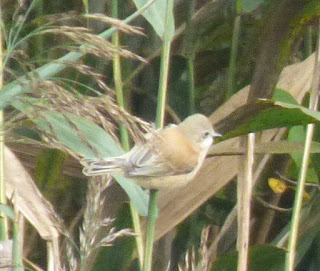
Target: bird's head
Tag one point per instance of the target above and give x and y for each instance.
(199, 130)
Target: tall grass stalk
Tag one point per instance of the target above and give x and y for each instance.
(16, 253)
(190, 56)
(244, 192)
(3, 218)
(124, 135)
(308, 42)
(245, 182)
(50, 261)
(161, 104)
(313, 104)
(164, 70)
(192, 109)
(234, 51)
(152, 216)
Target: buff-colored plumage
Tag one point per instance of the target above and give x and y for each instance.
(171, 157)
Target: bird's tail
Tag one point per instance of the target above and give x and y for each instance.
(95, 167)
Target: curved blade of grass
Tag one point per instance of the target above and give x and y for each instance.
(138, 197)
(281, 95)
(98, 141)
(156, 16)
(28, 200)
(271, 115)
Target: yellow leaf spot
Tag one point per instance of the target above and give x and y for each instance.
(278, 186)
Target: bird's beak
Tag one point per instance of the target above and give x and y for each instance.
(216, 134)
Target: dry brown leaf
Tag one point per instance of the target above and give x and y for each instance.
(28, 200)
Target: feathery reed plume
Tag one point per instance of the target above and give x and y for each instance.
(94, 221)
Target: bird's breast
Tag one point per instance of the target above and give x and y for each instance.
(177, 150)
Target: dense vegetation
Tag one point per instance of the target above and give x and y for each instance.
(86, 79)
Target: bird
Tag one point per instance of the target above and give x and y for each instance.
(169, 157)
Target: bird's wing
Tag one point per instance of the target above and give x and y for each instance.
(166, 160)
(146, 162)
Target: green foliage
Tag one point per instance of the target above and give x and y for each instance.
(311, 11)
(156, 16)
(67, 129)
(138, 196)
(49, 167)
(281, 95)
(7, 210)
(277, 114)
(86, 5)
(261, 258)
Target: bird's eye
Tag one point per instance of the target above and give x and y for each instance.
(206, 134)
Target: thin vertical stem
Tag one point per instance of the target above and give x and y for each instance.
(118, 79)
(189, 43)
(308, 42)
(313, 104)
(124, 135)
(16, 250)
(234, 52)
(161, 103)
(152, 216)
(245, 181)
(50, 255)
(192, 109)
(37, 46)
(244, 199)
(3, 218)
(164, 70)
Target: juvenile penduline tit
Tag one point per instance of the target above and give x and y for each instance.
(171, 157)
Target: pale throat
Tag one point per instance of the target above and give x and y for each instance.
(206, 143)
